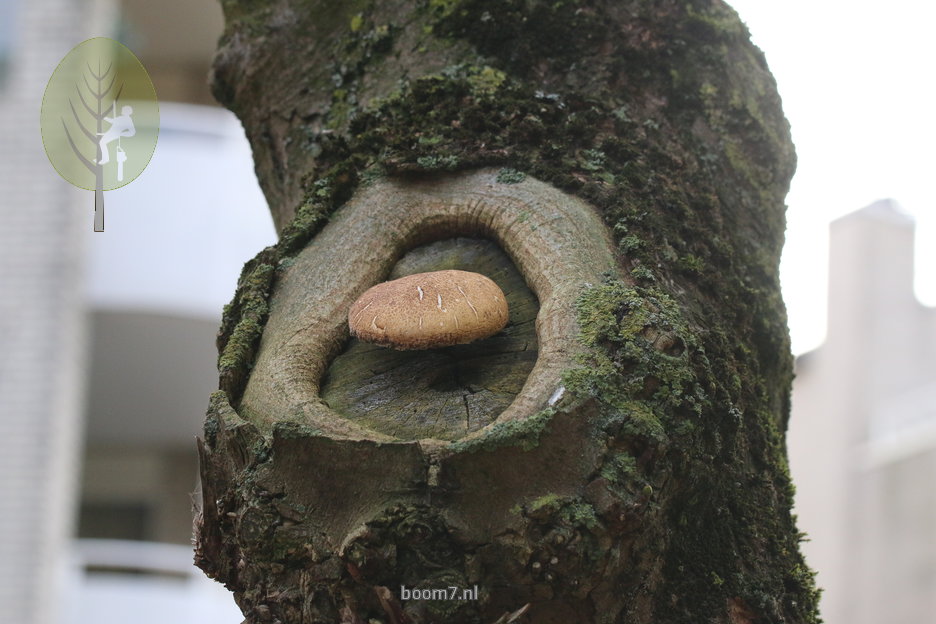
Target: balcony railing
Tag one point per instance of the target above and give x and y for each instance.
(116, 582)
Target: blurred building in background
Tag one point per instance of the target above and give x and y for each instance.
(42, 339)
(108, 338)
(108, 356)
(158, 278)
(862, 434)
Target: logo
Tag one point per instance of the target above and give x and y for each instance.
(99, 118)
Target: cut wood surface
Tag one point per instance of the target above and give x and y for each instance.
(440, 393)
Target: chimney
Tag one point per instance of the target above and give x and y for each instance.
(871, 275)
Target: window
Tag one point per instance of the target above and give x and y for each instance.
(125, 521)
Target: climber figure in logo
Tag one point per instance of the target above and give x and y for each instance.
(121, 126)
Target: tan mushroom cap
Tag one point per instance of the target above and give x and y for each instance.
(429, 310)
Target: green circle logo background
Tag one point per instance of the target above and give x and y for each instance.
(84, 113)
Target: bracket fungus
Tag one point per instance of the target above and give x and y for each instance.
(422, 311)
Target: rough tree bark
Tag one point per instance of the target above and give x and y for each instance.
(617, 453)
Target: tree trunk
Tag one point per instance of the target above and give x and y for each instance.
(616, 454)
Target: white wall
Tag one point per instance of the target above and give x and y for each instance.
(862, 436)
(41, 318)
(176, 238)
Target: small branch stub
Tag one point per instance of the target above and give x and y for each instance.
(429, 310)
(558, 243)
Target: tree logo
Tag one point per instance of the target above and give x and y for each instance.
(99, 118)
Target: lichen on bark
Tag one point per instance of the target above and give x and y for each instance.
(655, 488)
